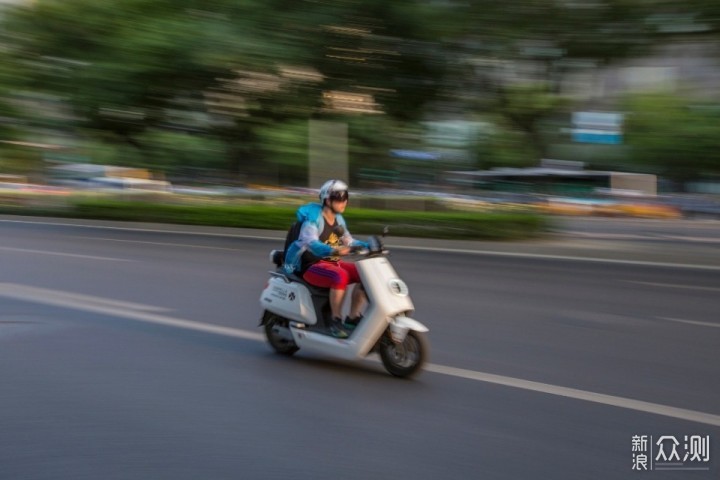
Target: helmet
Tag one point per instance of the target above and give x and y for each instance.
(333, 188)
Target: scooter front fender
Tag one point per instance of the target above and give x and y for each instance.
(410, 323)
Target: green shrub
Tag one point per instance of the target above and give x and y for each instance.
(445, 225)
(262, 215)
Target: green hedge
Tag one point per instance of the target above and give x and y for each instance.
(460, 225)
(444, 225)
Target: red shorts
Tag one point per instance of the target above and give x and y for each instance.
(335, 275)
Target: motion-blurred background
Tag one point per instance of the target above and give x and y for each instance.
(422, 95)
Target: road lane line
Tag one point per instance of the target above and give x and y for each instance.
(543, 256)
(61, 254)
(111, 308)
(690, 322)
(108, 307)
(611, 400)
(278, 236)
(674, 285)
(690, 239)
(161, 244)
(28, 292)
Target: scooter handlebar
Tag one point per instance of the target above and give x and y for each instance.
(359, 250)
(374, 247)
(375, 244)
(363, 251)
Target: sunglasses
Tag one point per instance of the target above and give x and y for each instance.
(339, 196)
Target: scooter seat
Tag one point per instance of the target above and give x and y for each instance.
(314, 290)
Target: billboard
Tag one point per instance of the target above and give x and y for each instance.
(597, 127)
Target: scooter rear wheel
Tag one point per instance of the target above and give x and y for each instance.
(277, 341)
(406, 358)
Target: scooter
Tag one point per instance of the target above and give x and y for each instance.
(296, 315)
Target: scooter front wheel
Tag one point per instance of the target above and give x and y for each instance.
(277, 332)
(406, 358)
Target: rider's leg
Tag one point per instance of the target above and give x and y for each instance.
(357, 301)
(337, 297)
(358, 297)
(330, 275)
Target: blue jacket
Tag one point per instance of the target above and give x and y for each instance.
(313, 224)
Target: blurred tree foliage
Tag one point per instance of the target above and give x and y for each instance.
(9, 114)
(674, 137)
(229, 85)
(244, 72)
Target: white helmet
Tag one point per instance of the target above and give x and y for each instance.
(332, 188)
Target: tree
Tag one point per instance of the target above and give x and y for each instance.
(514, 59)
(245, 72)
(128, 68)
(674, 136)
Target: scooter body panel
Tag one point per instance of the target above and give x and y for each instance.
(356, 346)
(290, 300)
(384, 288)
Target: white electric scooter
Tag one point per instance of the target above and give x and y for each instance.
(296, 316)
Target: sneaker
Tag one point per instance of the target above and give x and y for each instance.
(352, 323)
(336, 329)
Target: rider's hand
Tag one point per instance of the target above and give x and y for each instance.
(342, 251)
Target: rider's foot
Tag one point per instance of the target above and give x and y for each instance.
(336, 328)
(352, 322)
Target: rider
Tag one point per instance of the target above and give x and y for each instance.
(315, 255)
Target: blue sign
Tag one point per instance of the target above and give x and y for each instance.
(597, 127)
(415, 155)
(596, 136)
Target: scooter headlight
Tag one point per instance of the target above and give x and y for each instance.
(398, 287)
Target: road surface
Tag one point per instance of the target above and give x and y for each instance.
(132, 352)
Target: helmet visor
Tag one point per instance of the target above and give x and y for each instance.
(339, 196)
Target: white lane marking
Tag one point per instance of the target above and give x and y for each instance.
(674, 285)
(640, 236)
(559, 257)
(62, 254)
(113, 308)
(607, 236)
(109, 307)
(627, 403)
(162, 244)
(150, 230)
(690, 322)
(48, 295)
(691, 239)
(392, 247)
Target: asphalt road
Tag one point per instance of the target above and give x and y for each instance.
(132, 352)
